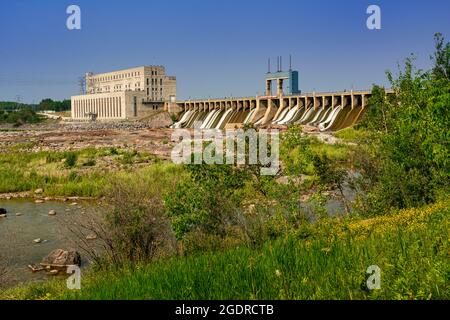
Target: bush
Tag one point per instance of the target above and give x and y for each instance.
(128, 157)
(71, 159)
(20, 117)
(206, 200)
(408, 151)
(132, 226)
(136, 222)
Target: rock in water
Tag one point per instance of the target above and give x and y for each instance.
(62, 258)
(52, 213)
(35, 268)
(38, 240)
(91, 237)
(2, 211)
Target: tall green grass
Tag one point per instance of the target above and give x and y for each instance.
(74, 173)
(351, 134)
(410, 247)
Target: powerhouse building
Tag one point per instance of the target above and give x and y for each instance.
(124, 94)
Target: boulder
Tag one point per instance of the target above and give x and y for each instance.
(62, 258)
(38, 240)
(38, 191)
(2, 211)
(52, 213)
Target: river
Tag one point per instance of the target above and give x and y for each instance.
(17, 233)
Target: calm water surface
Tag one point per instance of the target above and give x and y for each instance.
(18, 232)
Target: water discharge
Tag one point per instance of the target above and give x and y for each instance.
(325, 119)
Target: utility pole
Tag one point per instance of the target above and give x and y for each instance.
(18, 101)
(82, 84)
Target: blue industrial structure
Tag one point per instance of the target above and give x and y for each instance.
(291, 77)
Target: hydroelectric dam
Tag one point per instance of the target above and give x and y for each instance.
(331, 111)
(326, 111)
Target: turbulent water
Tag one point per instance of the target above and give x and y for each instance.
(325, 119)
(18, 232)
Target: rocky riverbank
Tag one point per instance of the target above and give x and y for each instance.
(35, 197)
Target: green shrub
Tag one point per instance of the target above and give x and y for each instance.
(408, 138)
(71, 159)
(20, 117)
(206, 200)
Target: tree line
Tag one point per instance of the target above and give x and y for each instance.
(44, 105)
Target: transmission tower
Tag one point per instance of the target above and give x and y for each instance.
(82, 84)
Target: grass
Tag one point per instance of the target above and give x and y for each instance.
(63, 114)
(85, 172)
(327, 262)
(337, 152)
(351, 134)
(296, 153)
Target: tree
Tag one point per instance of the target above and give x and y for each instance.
(46, 104)
(441, 58)
(410, 135)
(49, 104)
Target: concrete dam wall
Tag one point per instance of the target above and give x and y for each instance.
(325, 111)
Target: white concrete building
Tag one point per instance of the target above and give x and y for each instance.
(124, 94)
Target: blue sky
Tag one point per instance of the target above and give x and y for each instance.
(215, 48)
